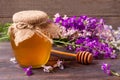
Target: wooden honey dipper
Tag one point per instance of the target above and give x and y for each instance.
(82, 57)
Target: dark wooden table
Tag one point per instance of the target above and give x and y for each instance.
(72, 71)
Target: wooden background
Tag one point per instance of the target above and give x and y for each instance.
(107, 9)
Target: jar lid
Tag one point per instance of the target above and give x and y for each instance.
(30, 17)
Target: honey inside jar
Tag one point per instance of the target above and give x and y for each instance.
(34, 51)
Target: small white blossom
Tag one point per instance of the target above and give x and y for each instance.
(59, 64)
(57, 15)
(13, 60)
(47, 68)
(65, 17)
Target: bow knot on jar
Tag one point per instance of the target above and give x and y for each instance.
(22, 25)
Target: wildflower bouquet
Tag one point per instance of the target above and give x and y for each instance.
(88, 34)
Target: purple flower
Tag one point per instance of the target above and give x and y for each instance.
(113, 56)
(28, 71)
(84, 17)
(80, 26)
(108, 72)
(65, 24)
(96, 54)
(80, 49)
(58, 19)
(108, 50)
(70, 47)
(106, 68)
(80, 40)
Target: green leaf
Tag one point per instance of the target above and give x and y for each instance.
(3, 32)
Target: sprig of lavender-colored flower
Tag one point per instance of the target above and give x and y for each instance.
(28, 71)
(84, 25)
(95, 46)
(107, 69)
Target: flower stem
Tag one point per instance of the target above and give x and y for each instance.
(61, 42)
(115, 73)
(65, 43)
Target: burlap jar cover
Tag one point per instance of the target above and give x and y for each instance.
(27, 23)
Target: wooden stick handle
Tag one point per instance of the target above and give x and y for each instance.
(63, 53)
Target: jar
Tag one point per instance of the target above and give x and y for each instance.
(31, 47)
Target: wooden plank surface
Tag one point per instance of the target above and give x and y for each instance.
(108, 9)
(69, 7)
(72, 71)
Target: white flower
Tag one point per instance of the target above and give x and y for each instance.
(13, 60)
(65, 17)
(57, 15)
(47, 68)
(59, 64)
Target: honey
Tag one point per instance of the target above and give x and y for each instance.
(34, 51)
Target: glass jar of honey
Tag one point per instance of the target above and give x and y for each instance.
(31, 37)
(34, 51)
